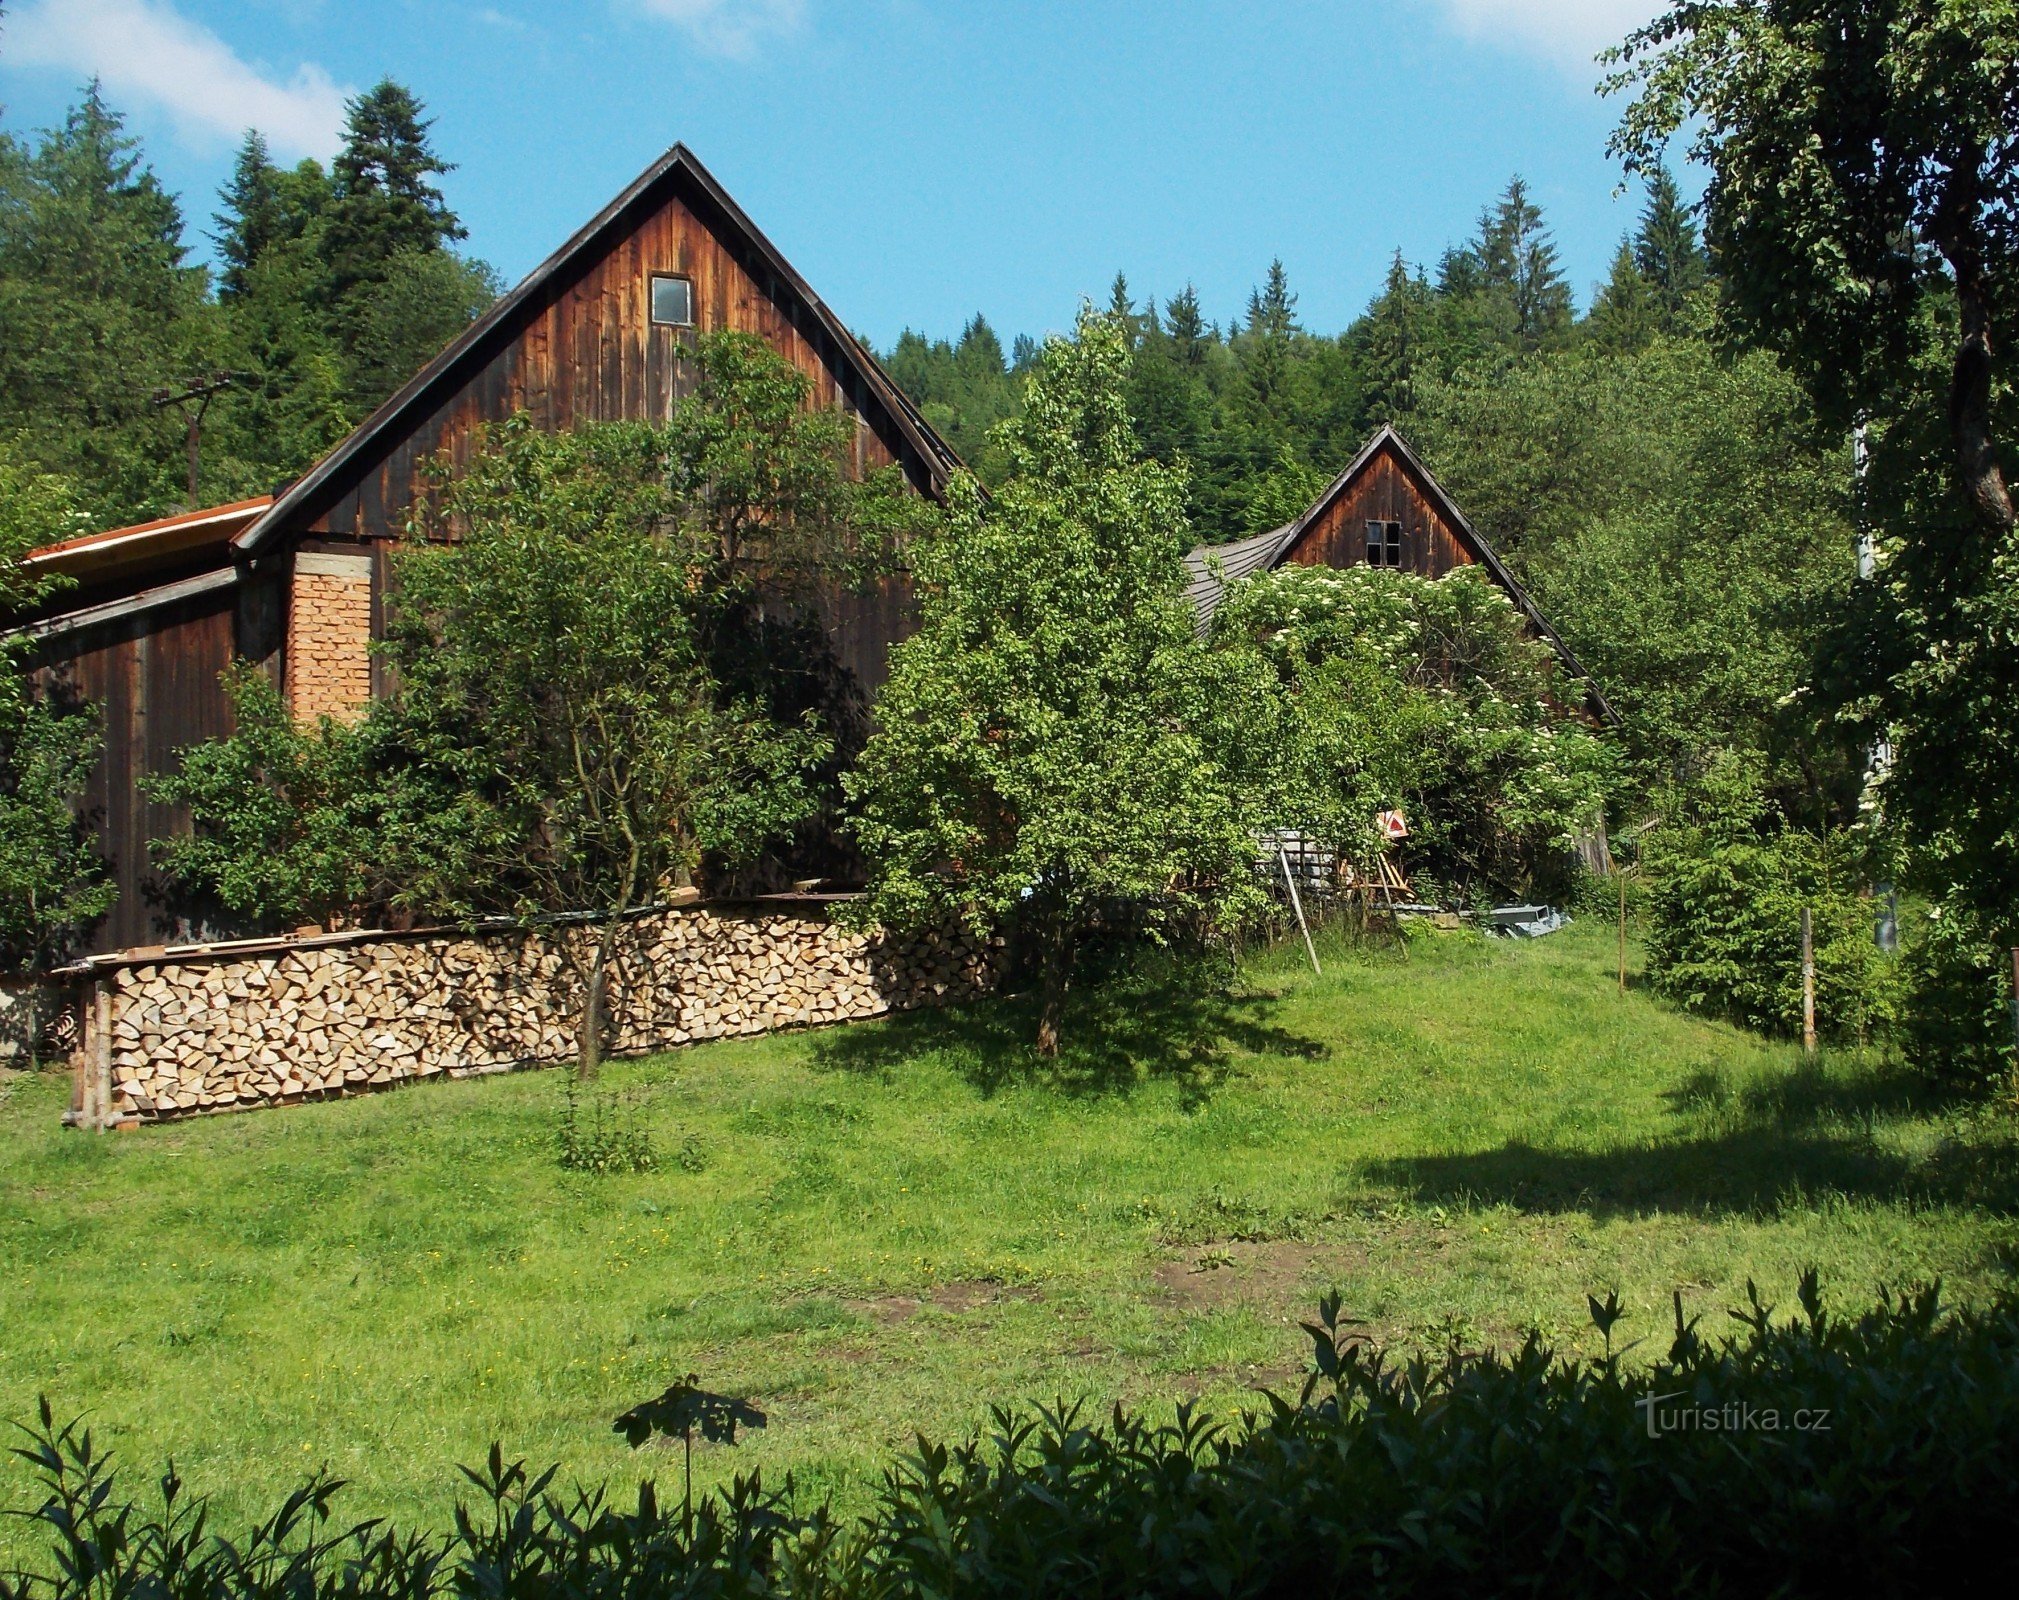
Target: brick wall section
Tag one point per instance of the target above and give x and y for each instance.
(329, 630)
(347, 1014)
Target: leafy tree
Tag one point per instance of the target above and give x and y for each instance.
(550, 655)
(1727, 885)
(1055, 750)
(1863, 208)
(1864, 173)
(294, 821)
(52, 882)
(1686, 526)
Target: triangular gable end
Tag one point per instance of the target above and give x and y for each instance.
(1297, 541)
(574, 343)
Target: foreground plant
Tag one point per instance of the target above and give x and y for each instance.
(1814, 1454)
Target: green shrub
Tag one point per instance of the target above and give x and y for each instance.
(1724, 918)
(1811, 1455)
(1956, 1008)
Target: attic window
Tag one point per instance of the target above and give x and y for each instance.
(1384, 544)
(672, 301)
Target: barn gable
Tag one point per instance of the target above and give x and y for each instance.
(1385, 509)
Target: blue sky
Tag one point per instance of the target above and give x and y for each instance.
(918, 160)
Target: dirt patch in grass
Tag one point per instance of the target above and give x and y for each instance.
(1264, 1275)
(960, 1296)
(1285, 1380)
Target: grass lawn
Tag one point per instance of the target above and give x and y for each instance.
(889, 1226)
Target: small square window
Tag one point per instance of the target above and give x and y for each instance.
(1384, 544)
(672, 301)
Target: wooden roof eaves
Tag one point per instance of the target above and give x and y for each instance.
(69, 622)
(1489, 558)
(935, 453)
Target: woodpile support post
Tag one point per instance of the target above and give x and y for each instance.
(91, 1060)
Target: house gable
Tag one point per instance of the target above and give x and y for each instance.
(576, 343)
(1386, 483)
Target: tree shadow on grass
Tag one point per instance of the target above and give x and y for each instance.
(1780, 1141)
(1118, 1036)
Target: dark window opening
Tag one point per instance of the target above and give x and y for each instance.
(1384, 544)
(672, 301)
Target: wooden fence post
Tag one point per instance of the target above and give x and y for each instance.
(1808, 984)
(1621, 875)
(2015, 1002)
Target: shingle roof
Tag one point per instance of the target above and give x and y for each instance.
(1212, 567)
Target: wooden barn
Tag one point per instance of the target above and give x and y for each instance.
(1384, 510)
(297, 581)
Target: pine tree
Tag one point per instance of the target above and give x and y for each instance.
(1189, 331)
(385, 204)
(1627, 312)
(1667, 251)
(98, 310)
(1272, 309)
(1123, 308)
(264, 208)
(1518, 260)
(1388, 344)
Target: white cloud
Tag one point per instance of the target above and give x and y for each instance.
(729, 27)
(146, 49)
(1571, 30)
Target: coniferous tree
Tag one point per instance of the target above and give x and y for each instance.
(1186, 323)
(1667, 250)
(1518, 260)
(1388, 344)
(386, 204)
(1628, 310)
(98, 311)
(264, 208)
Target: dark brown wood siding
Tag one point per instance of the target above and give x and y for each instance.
(1387, 490)
(153, 678)
(591, 353)
(588, 351)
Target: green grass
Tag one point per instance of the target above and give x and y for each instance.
(895, 1224)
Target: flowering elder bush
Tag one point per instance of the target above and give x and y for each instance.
(1428, 695)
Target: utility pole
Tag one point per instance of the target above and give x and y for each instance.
(195, 399)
